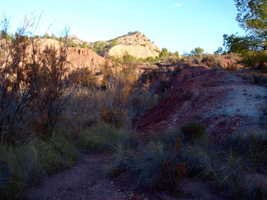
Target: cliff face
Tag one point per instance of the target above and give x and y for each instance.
(81, 57)
(136, 51)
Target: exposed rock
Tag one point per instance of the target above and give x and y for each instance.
(77, 40)
(82, 57)
(136, 44)
(221, 100)
(136, 51)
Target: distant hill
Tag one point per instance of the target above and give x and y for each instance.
(134, 43)
(77, 40)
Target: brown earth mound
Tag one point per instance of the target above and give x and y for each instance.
(221, 100)
(77, 57)
(171, 78)
(82, 57)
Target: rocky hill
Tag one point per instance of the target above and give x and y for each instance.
(137, 51)
(134, 43)
(136, 38)
(77, 40)
(82, 57)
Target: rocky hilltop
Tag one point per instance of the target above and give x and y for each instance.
(133, 43)
(136, 44)
(77, 40)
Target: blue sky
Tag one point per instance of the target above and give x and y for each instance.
(178, 25)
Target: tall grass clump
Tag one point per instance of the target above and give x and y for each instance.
(155, 165)
(23, 165)
(228, 165)
(106, 138)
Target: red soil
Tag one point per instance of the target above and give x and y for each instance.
(221, 100)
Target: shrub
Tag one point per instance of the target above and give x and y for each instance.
(193, 130)
(212, 60)
(33, 83)
(256, 59)
(105, 138)
(156, 165)
(232, 67)
(24, 165)
(173, 169)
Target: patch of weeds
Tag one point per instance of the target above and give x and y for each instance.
(24, 165)
(105, 137)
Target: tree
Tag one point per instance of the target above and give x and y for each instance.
(84, 45)
(102, 46)
(219, 51)
(197, 51)
(164, 53)
(252, 17)
(176, 53)
(46, 35)
(113, 43)
(238, 44)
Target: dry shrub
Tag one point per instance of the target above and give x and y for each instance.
(212, 60)
(119, 100)
(32, 85)
(173, 170)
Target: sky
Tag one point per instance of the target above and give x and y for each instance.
(178, 25)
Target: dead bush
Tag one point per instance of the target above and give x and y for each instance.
(212, 60)
(32, 85)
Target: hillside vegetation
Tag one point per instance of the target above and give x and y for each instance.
(161, 118)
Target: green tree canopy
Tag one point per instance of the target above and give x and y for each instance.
(197, 51)
(114, 42)
(238, 44)
(84, 45)
(252, 17)
(164, 53)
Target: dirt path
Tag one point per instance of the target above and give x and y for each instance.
(83, 181)
(86, 181)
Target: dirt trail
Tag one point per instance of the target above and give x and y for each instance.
(83, 181)
(87, 181)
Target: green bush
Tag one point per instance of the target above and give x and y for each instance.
(256, 59)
